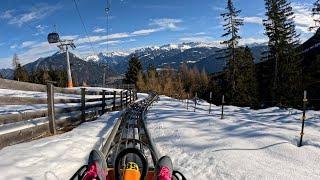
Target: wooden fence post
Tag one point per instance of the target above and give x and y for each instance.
(121, 98)
(51, 110)
(127, 98)
(222, 116)
(83, 104)
(103, 101)
(188, 101)
(195, 103)
(135, 96)
(114, 100)
(305, 100)
(210, 99)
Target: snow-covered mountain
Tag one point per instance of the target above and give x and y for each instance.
(202, 55)
(83, 71)
(6, 73)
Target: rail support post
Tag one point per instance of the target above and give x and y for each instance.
(51, 110)
(83, 104)
(210, 99)
(103, 101)
(222, 107)
(114, 100)
(130, 92)
(121, 99)
(305, 100)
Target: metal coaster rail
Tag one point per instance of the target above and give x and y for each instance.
(130, 131)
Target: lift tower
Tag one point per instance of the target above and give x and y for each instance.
(53, 38)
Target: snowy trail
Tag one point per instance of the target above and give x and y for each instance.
(247, 144)
(55, 157)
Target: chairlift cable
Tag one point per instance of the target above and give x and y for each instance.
(107, 9)
(84, 27)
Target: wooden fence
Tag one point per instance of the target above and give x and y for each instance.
(82, 107)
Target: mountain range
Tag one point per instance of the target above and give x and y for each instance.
(90, 69)
(202, 55)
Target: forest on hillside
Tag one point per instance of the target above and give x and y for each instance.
(285, 71)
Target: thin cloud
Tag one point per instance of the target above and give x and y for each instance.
(13, 46)
(70, 37)
(27, 44)
(115, 42)
(167, 23)
(40, 29)
(200, 33)
(40, 11)
(7, 14)
(110, 42)
(99, 30)
(145, 31)
(102, 38)
(252, 40)
(253, 20)
(302, 17)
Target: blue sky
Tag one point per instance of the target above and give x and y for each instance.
(133, 24)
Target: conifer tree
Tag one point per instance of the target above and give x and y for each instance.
(15, 61)
(134, 68)
(283, 51)
(246, 79)
(231, 28)
(20, 74)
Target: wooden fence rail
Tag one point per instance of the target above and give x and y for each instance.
(71, 111)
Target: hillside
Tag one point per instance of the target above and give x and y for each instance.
(82, 71)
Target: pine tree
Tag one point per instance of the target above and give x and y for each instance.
(20, 74)
(233, 23)
(59, 76)
(246, 79)
(316, 15)
(134, 68)
(283, 52)
(15, 61)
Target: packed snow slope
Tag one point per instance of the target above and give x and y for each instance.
(246, 144)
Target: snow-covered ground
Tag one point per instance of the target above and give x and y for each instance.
(247, 144)
(55, 157)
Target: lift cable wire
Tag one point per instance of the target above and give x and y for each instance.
(84, 27)
(107, 14)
